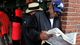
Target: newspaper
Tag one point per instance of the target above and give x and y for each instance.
(58, 35)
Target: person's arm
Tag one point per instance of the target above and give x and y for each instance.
(34, 33)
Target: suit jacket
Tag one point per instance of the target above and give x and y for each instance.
(35, 24)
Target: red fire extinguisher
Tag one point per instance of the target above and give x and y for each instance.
(16, 26)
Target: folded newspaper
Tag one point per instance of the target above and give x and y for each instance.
(59, 37)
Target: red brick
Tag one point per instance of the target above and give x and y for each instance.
(65, 0)
(78, 10)
(72, 5)
(78, 43)
(69, 27)
(71, 10)
(76, 18)
(78, 37)
(78, 40)
(77, 6)
(73, 14)
(64, 17)
(64, 13)
(70, 20)
(65, 4)
(78, 27)
(64, 23)
(72, 23)
(78, 1)
(65, 9)
(69, 30)
(73, 1)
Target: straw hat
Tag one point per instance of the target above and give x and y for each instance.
(32, 7)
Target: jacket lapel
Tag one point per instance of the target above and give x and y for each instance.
(43, 20)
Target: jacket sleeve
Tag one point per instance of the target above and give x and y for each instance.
(33, 32)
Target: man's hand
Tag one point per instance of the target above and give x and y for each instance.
(44, 35)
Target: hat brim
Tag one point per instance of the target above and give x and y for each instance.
(57, 10)
(28, 11)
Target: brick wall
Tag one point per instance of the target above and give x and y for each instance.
(71, 17)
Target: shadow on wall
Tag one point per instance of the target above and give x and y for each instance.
(64, 15)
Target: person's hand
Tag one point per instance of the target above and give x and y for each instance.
(44, 35)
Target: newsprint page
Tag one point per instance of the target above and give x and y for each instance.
(59, 38)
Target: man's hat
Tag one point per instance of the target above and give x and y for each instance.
(33, 6)
(58, 5)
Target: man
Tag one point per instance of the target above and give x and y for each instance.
(58, 7)
(37, 25)
(34, 36)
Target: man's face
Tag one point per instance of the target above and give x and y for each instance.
(51, 11)
(32, 13)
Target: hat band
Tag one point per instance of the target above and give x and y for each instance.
(33, 8)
